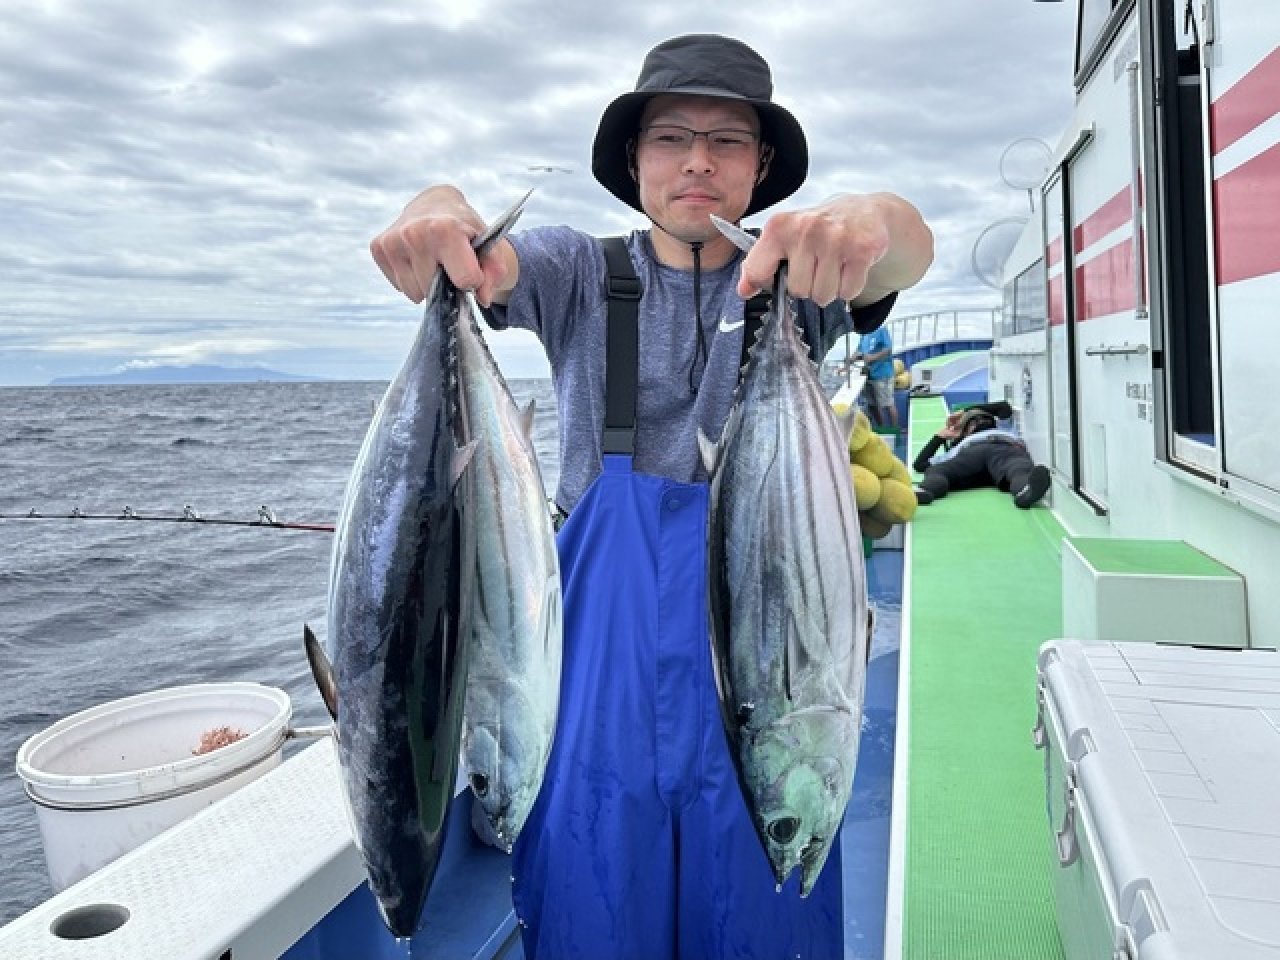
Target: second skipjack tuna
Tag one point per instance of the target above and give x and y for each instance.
(515, 619)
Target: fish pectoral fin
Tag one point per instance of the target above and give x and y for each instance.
(796, 658)
(709, 451)
(526, 418)
(322, 670)
(462, 460)
(846, 422)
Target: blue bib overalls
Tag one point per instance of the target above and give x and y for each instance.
(640, 846)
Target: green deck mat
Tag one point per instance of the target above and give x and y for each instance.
(985, 594)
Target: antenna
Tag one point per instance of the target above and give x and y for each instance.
(992, 249)
(1023, 165)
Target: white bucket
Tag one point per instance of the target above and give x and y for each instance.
(107, 779)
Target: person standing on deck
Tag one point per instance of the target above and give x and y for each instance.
(875, 350)
(640, 845)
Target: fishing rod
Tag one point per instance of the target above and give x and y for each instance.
(266, 518)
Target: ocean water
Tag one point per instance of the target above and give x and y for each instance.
(95, 610)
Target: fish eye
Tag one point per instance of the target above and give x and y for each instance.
(480, 784)
(783, 830)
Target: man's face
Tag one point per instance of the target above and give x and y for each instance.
(681, 186)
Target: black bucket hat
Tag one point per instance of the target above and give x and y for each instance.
(705, 65)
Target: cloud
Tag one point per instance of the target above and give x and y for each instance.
(203, 180)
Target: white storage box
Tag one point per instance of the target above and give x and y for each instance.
(1162, 772)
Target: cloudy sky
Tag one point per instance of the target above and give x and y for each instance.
(191, 182)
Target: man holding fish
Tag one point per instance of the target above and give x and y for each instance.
(648, 839)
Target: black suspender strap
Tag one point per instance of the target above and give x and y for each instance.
(622, 350)
(622, 339)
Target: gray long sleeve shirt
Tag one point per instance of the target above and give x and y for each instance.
(561, 296)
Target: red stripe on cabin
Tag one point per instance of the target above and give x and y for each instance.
(1104, 284)
(1250, 102)
(1057, 302)
(1247, 201)
(1053, 254)
(1111, 216)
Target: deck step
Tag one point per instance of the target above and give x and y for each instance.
(1162, 591)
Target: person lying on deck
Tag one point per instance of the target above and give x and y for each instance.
(972, 450)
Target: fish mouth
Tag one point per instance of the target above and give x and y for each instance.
(812, 859)
(808, 878)
(503, 832)
(781, 872)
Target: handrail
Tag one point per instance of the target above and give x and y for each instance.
(966, 323)
(1124, 349)
(919, 329)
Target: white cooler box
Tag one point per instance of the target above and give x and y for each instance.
(1162, 779)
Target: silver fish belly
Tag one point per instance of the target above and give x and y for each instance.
(787, 599)
(514, 621)
(398, 592)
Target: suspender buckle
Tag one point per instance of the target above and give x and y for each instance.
(619, 440)
(624, 288)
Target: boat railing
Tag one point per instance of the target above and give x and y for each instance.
(973, 323)
(916, 335)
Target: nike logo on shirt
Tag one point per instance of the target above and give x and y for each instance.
(727, 327)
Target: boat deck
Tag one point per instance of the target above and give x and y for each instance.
(971, 876)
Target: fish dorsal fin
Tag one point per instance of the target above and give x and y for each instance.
(322, 670)
(526, 418)
(788, 327)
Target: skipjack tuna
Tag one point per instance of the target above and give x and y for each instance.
(400, 585)
(787, 597)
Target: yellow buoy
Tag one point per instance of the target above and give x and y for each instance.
(866, 486)
(861, 433)
(876, 456)
(897, 503)
(873, 528)
(900, 472)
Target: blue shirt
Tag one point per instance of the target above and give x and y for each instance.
(874, 342)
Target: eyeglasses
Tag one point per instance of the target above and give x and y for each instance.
(674, 139)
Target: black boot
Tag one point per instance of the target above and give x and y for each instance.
(1038, 484)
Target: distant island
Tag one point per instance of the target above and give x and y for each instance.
(207, 373)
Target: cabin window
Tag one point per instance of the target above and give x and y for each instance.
(1025, 304)
(1094, 15)
(1030, 304)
